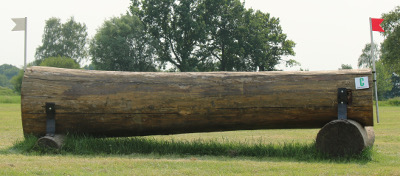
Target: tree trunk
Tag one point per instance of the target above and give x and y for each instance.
(223, 59)
(145, 103)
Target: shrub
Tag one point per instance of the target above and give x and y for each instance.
(17, 81)
(5, 99)
(394, 101)
(60, 62)
(6, 91)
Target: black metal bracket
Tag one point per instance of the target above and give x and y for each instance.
(342, 103)
(51, 120)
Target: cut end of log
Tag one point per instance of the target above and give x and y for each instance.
(344, 137)
(53, 142)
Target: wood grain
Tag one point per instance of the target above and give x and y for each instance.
(145, 103)
(344, 137)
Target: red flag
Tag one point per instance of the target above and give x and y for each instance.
(376, 24)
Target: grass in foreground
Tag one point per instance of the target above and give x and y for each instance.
(86, 146)
(82, 157)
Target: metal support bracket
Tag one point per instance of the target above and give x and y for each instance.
(51, 121)
(342, 103)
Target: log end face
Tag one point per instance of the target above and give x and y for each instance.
(53, 142)
(344, 137)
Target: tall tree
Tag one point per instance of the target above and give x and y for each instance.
(223, 19)
(264, 42)
(123, 44)
(395, 92)
(8, 70)
(64, 40)
(384, 75)
(365, 59)
(16, 81)
(6, 73)
(178, 28)
(4, 82)
(205, 35)
(390, 47)
(384, 79)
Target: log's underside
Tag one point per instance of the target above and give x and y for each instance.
(132, 104)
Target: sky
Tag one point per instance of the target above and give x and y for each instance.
(327, 33)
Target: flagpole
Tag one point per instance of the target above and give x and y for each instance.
(26, 34)
(374, 70)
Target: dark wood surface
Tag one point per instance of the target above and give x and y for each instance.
(344, 137)
(54, 142)
(133, 103)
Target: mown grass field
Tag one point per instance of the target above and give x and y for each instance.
(221, 153)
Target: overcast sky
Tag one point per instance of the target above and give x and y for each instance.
(327, 33)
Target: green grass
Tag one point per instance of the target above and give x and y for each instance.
(4, 99)
(84, 145)
(258, 152)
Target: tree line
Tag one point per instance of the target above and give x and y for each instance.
(196, 35)
(184, 35)
(7, 72)
(387, 55)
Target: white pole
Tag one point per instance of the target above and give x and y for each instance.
(26, 34)
(374, 70)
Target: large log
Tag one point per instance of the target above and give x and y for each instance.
(131, 104)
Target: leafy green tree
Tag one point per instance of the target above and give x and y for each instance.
(384, 79)
(390, 47)
(64, 40)
(264, 42)
(4, 82)
(365, 59)
(395, 92)
(208, 35)
(178, 28)
(17, 81)
(8, 70)
(223, 19)
(60, 62)
(123, 44)
(89, 67)
(383, 74)
(345, 67)
(6, 92)
(6, 73)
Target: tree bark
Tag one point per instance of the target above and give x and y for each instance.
(133, 103)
